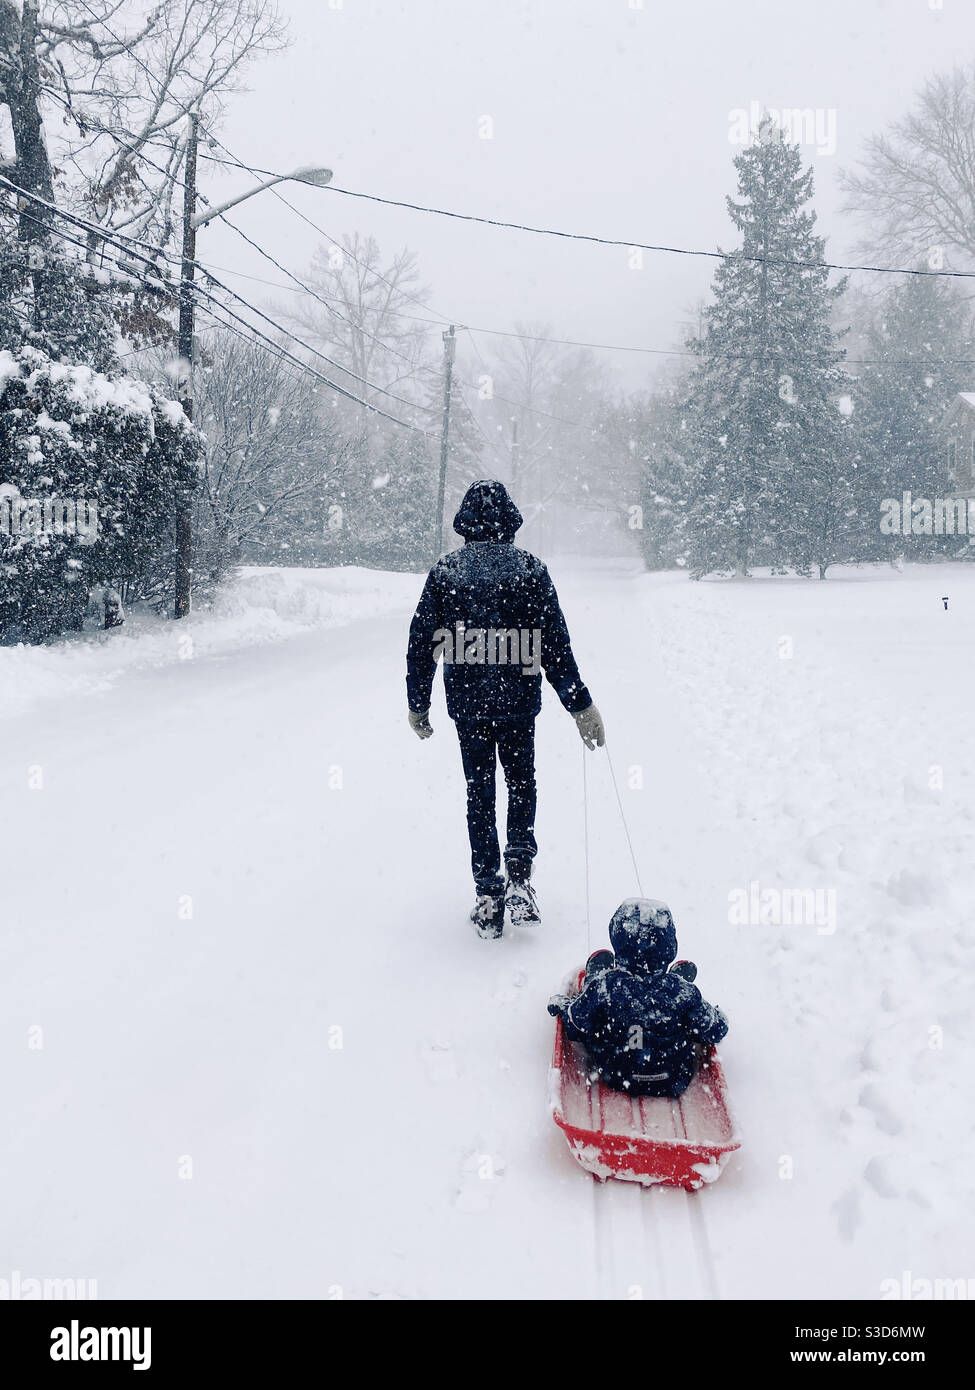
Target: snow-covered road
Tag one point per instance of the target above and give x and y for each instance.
(252, 1048)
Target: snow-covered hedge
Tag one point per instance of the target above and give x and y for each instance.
(69, 434)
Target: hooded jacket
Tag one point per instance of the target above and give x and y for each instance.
(638, 1021)
(490, 611)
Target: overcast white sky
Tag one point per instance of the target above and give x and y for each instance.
(607, 119)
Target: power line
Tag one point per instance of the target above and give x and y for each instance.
(261, 340)
(623, 242)
(307, 288)
(128, 276)
(186, 110)
(307, 346)
(322, 232)
(265, 344)
(111, 236)
(234, 162)
(108, 235)
(171, 175)
(534, 410)
(491, 443)
(300, 283)
(296, 361)
(115, 237)
(579, 343)
(518, 405)
(551, 231)
(647, 246)
(322, 300)
(517, 226)
(251, 169)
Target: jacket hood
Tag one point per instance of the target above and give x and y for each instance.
(643, 934)
(487, 513)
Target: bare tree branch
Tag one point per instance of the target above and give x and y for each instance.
(366, 327)
(126, 90)
(915, 184)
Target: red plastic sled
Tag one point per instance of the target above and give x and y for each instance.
(682, 1143)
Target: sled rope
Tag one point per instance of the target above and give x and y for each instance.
(626, 828)
(585, 822)
(585, 825)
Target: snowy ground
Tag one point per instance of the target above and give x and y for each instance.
(252, 1048)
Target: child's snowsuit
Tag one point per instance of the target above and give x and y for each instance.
(640, 1021)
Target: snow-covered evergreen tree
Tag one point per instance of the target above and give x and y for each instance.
(398, 519)
(767, 474)
(635, 470)
(919, 347)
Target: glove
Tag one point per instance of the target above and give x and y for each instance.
(420, 723)
(589, 722)
(686, 969)
(557, 1005)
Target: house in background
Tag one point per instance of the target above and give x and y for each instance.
(958, 431)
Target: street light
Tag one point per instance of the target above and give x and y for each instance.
(317, 178)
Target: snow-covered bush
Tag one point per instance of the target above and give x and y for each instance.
(69, 435)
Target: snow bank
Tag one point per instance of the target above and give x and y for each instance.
(259, 605)
(831, 729)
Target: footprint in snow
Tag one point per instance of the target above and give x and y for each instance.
(438, 1061)
(509, 985)
(480, 1174)
(872, 1099)
(807, 1013)
(877, 1174)
(914, 889)
(846, 1209)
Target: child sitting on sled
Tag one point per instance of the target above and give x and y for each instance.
(638, 1013)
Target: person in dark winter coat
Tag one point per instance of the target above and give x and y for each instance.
(490, 612)
(639, 1016)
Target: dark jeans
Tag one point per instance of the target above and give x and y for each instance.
(513, 740)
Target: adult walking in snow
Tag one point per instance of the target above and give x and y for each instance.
(490, 611)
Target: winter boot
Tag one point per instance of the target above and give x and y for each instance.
(520, 900)
(487, 914)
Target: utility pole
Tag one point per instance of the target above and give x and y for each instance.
(184, 513)
(449, 349)
(317, 178)
(514, 451)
